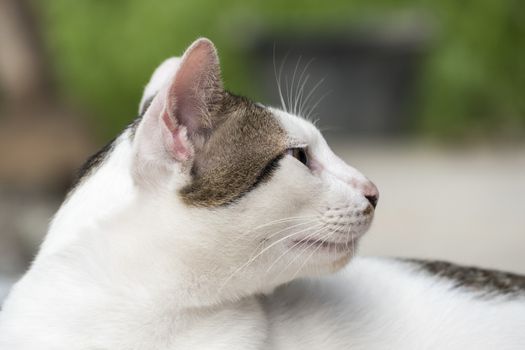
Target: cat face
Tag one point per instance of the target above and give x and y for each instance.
(213, 192)
(269, 198)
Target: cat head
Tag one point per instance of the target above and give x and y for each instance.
(245, 195)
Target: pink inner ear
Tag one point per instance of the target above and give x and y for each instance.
(176, 139)
(181, 109)
(195, 85)
(185, 106)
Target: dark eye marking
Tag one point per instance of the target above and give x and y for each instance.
(265, 174)
(267, 171)
(241, 152)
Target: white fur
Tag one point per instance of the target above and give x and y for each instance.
(387, 304)
(158, 79)
(127, 265)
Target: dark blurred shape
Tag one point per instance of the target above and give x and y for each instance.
(23, 62)
(369, 76)
(41, 138)
(470, 84)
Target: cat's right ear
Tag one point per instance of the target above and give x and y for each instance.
(180, 114)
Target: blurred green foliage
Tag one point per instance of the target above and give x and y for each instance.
(472, 82)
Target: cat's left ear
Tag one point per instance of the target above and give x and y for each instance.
(180, 115)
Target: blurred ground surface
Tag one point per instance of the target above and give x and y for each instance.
(467, 206)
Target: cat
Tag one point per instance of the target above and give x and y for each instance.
(213, 222)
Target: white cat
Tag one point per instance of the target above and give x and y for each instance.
(207, 225)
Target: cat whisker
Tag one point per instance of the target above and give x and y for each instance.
(278, 78)
(275, 222)
(300, 254)
(289, 227)
(301, 86)
(325, 237)
(348, 228)
(273, 234)
(251, 260)
(304, 104)
(311, 109)
(300, 96)
(292, 90)
(285, 219)
(293, 246)
(267, 238)
(353, 247)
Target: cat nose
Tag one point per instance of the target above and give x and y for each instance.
(371, 193)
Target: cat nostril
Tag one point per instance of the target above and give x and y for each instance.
(371, 194)
(372, 199)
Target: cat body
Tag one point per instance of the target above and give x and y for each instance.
(216, 223)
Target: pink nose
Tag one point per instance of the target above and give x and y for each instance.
(371, 193)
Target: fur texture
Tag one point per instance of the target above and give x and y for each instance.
(200, 228)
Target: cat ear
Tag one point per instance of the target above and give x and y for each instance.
(158, 79)
(180, 114)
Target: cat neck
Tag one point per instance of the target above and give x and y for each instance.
(104, 235)
(151, 299)
(104, 188)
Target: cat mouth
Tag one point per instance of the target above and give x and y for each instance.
(324, 246)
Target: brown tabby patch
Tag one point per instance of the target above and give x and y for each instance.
(486, 282)
(241, 151)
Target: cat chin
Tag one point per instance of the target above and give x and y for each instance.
(319, 261)
(326, 267)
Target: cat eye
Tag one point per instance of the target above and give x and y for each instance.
(300, 154)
